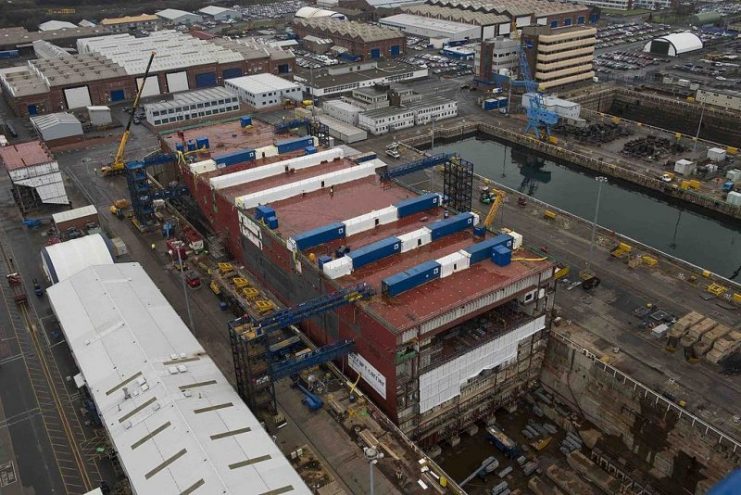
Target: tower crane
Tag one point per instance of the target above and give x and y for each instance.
(538, 116)
(119, 166)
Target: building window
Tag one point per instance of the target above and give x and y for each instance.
(580, 20)
(554, 24)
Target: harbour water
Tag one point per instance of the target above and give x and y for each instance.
(705, 241)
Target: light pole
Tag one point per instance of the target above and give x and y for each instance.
(699, 125)
(373, 457)
(600, 181)
(185, 288)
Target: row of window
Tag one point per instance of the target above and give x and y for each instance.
(194, 106)
(195, 115)
(568, 21)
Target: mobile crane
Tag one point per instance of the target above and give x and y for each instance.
(119, 166)
(492, 196)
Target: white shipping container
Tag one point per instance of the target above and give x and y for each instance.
(202, 167)
(517, 240)
(716, 154)
(734, 174)
(266, 151)
(338, 268)
(414, 239)
(453, 263)
(684, 167)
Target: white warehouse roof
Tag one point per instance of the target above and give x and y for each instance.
(174, 14)
(177, 424)
(61, 261)
(310, 12)
(214, 10)
(55, 25)
(261, 83)
(679, 43)
(436, 28)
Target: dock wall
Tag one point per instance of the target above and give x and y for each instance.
(638, 425)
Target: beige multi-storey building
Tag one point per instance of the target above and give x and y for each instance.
(560, 57)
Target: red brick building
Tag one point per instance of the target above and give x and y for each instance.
(367, 41)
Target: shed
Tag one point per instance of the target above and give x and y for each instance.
(685, 167)
(55, 126)
(175, 16)
(34, 173)
(220, 14)
(54, 25)
(674, 44)
(77, 218)
(99, 115)
(61, 261)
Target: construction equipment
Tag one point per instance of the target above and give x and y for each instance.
(588, 280)
(118, 166)
(496, 198)
(258, 346)
(312, 401)
(16, 284)
(538, 116)
(143, 196)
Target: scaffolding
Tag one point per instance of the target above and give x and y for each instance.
(458, 183)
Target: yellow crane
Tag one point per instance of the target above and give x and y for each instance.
(496, 198)
(118, 164)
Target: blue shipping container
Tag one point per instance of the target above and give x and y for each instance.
(179, 147)
(324, 259)
(309, 150)
(414, 277)
(264, 211)
(245, 121)
(483, 250)
(479, 231)
(202, 142)
(501, 256)
(9, 54)
(450, 225)
(191, 145)
(234, 157)
(294, 144)
(319, 235)
(272, 222)
(411, 206)
(374, 251)
(365, 157)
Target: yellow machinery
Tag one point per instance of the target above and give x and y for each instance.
(226, 269)
(716, 289)
(549, 215)
(118, 164)
(498, 199)
(621, 250)
(264, 306)
(240, 283)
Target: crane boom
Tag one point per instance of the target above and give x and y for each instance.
(118, 164)
(495, 205)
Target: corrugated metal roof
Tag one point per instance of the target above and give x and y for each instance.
(175, 421)
(65, 216)
(261, 83)
(200, 96)
(42, 122)
(458, 15)
(68, 258)
(417, 21)
(365, 32)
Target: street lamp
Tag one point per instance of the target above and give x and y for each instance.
(185, 287)
(600, 181)
(699, 126)
(373, 457)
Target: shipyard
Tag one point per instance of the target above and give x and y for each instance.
(359, 247)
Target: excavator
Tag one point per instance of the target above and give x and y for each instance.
(118, 166)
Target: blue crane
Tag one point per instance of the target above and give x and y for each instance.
(538, 116)
(416, 165)
(258, 362)
(141, 191)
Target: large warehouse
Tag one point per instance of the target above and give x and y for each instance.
(438, 356)
(490, 24)
(174, 421)
(63, 260)
(366, 41)
(428, 27)
(674, 44)
(110, 69)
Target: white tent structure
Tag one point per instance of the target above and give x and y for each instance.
(674, 44)
(312, 12)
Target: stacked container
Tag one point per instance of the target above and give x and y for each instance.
(483, 250)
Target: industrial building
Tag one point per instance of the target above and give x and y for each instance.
(365, 41)
(720, 98)
(18, 38)
(264, 90)
(559, 57)
(428, 27)
(609, 4)
(110, 68)
(490, 24)
(674, 44)
(525, 13)
(342, 111)
(384, 120)
(175, 17)
(372, 97)
(192, 105)
(174, 421)
(63, 260)
(345, 78)
(34, 174)
(495, 57)
(220, 14)
(343, 131)
(450, 335)
(313, 12)
(56, 126)
(130, 22)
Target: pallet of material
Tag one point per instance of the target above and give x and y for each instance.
(369, 438)
(580, 463)
(569, 482)
(696, 331)
(679, 328)
(708, 339)
(724, 346)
